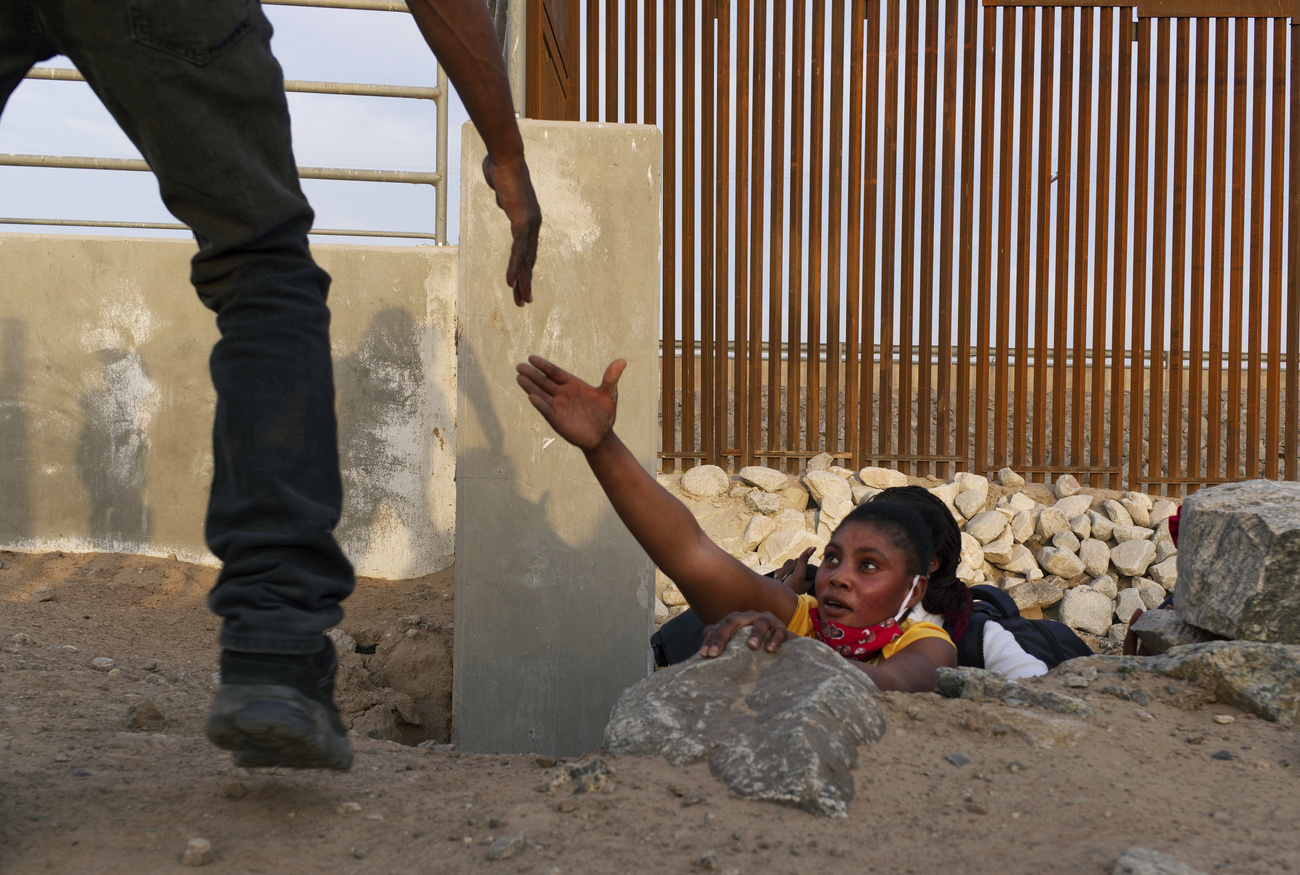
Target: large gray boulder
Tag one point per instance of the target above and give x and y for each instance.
(1239, 561)
(783, 727)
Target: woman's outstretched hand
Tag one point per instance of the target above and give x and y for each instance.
(767, 632)
(580, 413)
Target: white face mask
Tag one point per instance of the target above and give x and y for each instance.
(916, 578)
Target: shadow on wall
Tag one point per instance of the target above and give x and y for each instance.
(384, 441)
(15, 506)
(112, 453)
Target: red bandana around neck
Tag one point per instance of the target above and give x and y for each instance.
(853, 642)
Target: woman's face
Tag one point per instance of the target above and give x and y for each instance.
(864, 577)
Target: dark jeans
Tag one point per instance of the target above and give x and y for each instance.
(194, 85)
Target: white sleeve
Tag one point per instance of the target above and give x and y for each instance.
(1004, 655)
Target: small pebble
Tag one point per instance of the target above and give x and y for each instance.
(198, 853)
(359, 853)
(347, 808)
(509, 845)
(62, 758)
(977, 808)
(1222, 755)
(691, 799)
(709, 862)
(102, 663)
(1224, 719)
(1014, 767)
(956, 759)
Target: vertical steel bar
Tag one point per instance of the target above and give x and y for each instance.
(816, 289)
(650, 116)
(983, 284)
(1001, 289)
(927, 291)
(689, 233)
(708, 213)
(943, 433)
(776, 273)
(907, 292)
(630, 62)
(1082, 224)
(1120, 238)
(669, 357)
(1274, 316)
(966, 231)
(1292, 436)
(1020, 414)
(1254, 364)
(1196, 324)
(1214, 410)
(835, 221)
(721, 233)
(593, 61)
(888, 281)
(1137, 310)
(867, 308)
(1064, 188)
(794, 302)
(1102, 353)
(1159, 238)
(1178, 279)
(853, 324)
(745, 243)
(757, 203)
(1237, 243)
(611, 60)
(1043, 282)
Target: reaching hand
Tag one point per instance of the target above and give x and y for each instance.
(794, 572)
(766, 631)
(515, 195)
(581, 414)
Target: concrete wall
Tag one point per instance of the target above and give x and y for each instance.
(106, 404)
(554, 599)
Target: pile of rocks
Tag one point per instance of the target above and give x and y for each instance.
(1089, 558)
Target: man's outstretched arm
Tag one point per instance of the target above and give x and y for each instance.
(460, 33)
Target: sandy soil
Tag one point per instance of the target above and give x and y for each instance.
(81, 792)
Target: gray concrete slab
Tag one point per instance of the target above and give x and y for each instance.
(554, 599)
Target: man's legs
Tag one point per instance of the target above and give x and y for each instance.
(194, 84)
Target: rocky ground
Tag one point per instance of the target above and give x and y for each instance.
(104, 767)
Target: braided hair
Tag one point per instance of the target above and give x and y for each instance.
(945, 594)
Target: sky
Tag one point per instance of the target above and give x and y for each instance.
(65, 118)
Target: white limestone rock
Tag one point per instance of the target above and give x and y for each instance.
(840, 470)
(1051, 521)
(1086, 609)
(1116, 512)
(1127, 603)
(945, 492)
(1137, 510)
(1022, 562)
(1022, 526)
(767, 503)
(1102, 526)
(1132, 533)
(1073, 505)
(1066, 541)
(1010, 479)
(1141, 498)
(1035, 595)
(824, 485)
(756, 530)
(1066, 485)
(785, 544)
(1161, 510)
(1106, 585)
(1081, 526)
(986, 526)
(789, 518)
(998, 552)
(1153, 594)
(1164, 549)
(969, 502)
(1095, 556)
(1019, 501)
(969, 482)
(882, 478)
(971, 552)
(706, 481)
(820, 462)
(766, 479)
(862, 492)
(1132, 558)
(1062, 563)
(671, 596)
(1164, 573)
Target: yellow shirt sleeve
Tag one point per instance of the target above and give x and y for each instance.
(801, 623)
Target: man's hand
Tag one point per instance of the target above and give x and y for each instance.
(581, 414)
(767, 632)
(515, 196)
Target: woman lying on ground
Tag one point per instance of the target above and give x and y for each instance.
(868, 590)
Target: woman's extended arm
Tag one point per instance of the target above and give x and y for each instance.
(714, 582)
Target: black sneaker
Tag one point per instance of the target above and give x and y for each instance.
(275, 710)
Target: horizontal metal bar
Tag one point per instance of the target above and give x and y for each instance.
(177, 226)
(301, 86)
(364, 5)
(419, 177)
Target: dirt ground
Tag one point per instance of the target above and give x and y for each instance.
(83, 792)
